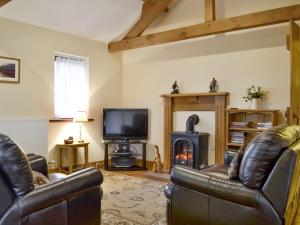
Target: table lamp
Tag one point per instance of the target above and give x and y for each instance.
(80, 116)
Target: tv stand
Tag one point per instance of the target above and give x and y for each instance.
(124, 158)
(125, 140)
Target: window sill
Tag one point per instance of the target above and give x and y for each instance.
(57, 120)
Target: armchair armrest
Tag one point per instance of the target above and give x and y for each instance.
(225, 189)
(38, 163)
(55, 192)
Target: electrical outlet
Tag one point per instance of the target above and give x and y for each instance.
(212, 147)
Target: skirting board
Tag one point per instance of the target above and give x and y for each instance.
(100, 165)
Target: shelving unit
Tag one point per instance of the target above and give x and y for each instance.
(249, 119)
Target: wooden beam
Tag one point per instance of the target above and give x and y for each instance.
(151, 10)
(210, 12)
(146, 6)
(258, 19)
(4, 2)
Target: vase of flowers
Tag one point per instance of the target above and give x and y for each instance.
(254, 94)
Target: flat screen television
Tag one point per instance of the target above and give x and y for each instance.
(125, 124)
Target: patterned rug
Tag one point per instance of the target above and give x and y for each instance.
(132, 201)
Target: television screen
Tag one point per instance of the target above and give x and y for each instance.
(125, 124)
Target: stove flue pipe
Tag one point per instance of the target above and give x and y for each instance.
(191, 122)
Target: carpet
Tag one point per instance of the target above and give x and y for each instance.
(164, 177)
(132, 201)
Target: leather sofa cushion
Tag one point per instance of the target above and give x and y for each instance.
(216, 170)
(39, 179)
(15, 167)
(234, 167)
(262, 153)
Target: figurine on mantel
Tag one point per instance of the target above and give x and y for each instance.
(175, 88)
(213, 85)
(157, 165)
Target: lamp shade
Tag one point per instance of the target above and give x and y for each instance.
(80, 116)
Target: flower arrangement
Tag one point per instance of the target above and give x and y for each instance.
(254, 92)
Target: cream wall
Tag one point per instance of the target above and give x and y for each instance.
(34, 97)
(237, 60)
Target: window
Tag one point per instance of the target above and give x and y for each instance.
(71, 85)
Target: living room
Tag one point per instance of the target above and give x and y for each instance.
(137, 71)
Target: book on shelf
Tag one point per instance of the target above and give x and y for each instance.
(264, 125)
(238, 137)
(239, 124)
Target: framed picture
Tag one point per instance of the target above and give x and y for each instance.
(9, 70)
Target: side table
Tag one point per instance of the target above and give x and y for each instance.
(73, 154)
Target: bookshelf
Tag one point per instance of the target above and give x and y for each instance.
(244, 124)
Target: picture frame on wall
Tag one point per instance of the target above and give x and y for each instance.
(9, 70)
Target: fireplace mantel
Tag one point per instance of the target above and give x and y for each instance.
(195, 94)
(212, 101)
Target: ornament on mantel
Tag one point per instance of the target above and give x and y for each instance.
(213, 85)
(175, 88)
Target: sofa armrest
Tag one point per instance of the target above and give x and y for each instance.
(225, 189)
(168, 191)
(228, 156)
(64, 189)
(38, 163)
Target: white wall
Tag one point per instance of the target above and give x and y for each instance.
(29, 133)
(237, 60)
(34, 97)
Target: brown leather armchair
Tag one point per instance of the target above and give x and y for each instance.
(266, 193)
(66, 200)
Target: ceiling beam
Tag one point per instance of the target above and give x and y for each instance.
(146, 6)
(210, 12)
(4, 2)
(151, 10)
(258, 19)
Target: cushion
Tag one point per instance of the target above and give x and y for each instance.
(39, 179)
(233, 170)
(15, 167)
(262, 153)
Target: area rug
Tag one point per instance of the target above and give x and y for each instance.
(132, 201)
(164, 177)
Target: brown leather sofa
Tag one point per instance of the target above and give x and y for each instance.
(266, 193)
(66, 200)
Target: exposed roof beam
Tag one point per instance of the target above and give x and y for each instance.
(210, 12)
(4, 2)
(151, 10)
(263, 18)
(146, 6)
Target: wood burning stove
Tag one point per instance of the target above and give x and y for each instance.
(189, 148)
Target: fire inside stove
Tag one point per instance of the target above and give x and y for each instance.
(184, 155)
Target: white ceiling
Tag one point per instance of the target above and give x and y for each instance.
(102, 20)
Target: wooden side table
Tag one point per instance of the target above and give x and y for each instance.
(73, 154)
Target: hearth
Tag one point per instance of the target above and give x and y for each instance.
(189, 148)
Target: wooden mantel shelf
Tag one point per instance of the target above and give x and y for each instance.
(195, 94)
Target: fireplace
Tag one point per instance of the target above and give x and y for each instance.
(189, 148)
(214, 101)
